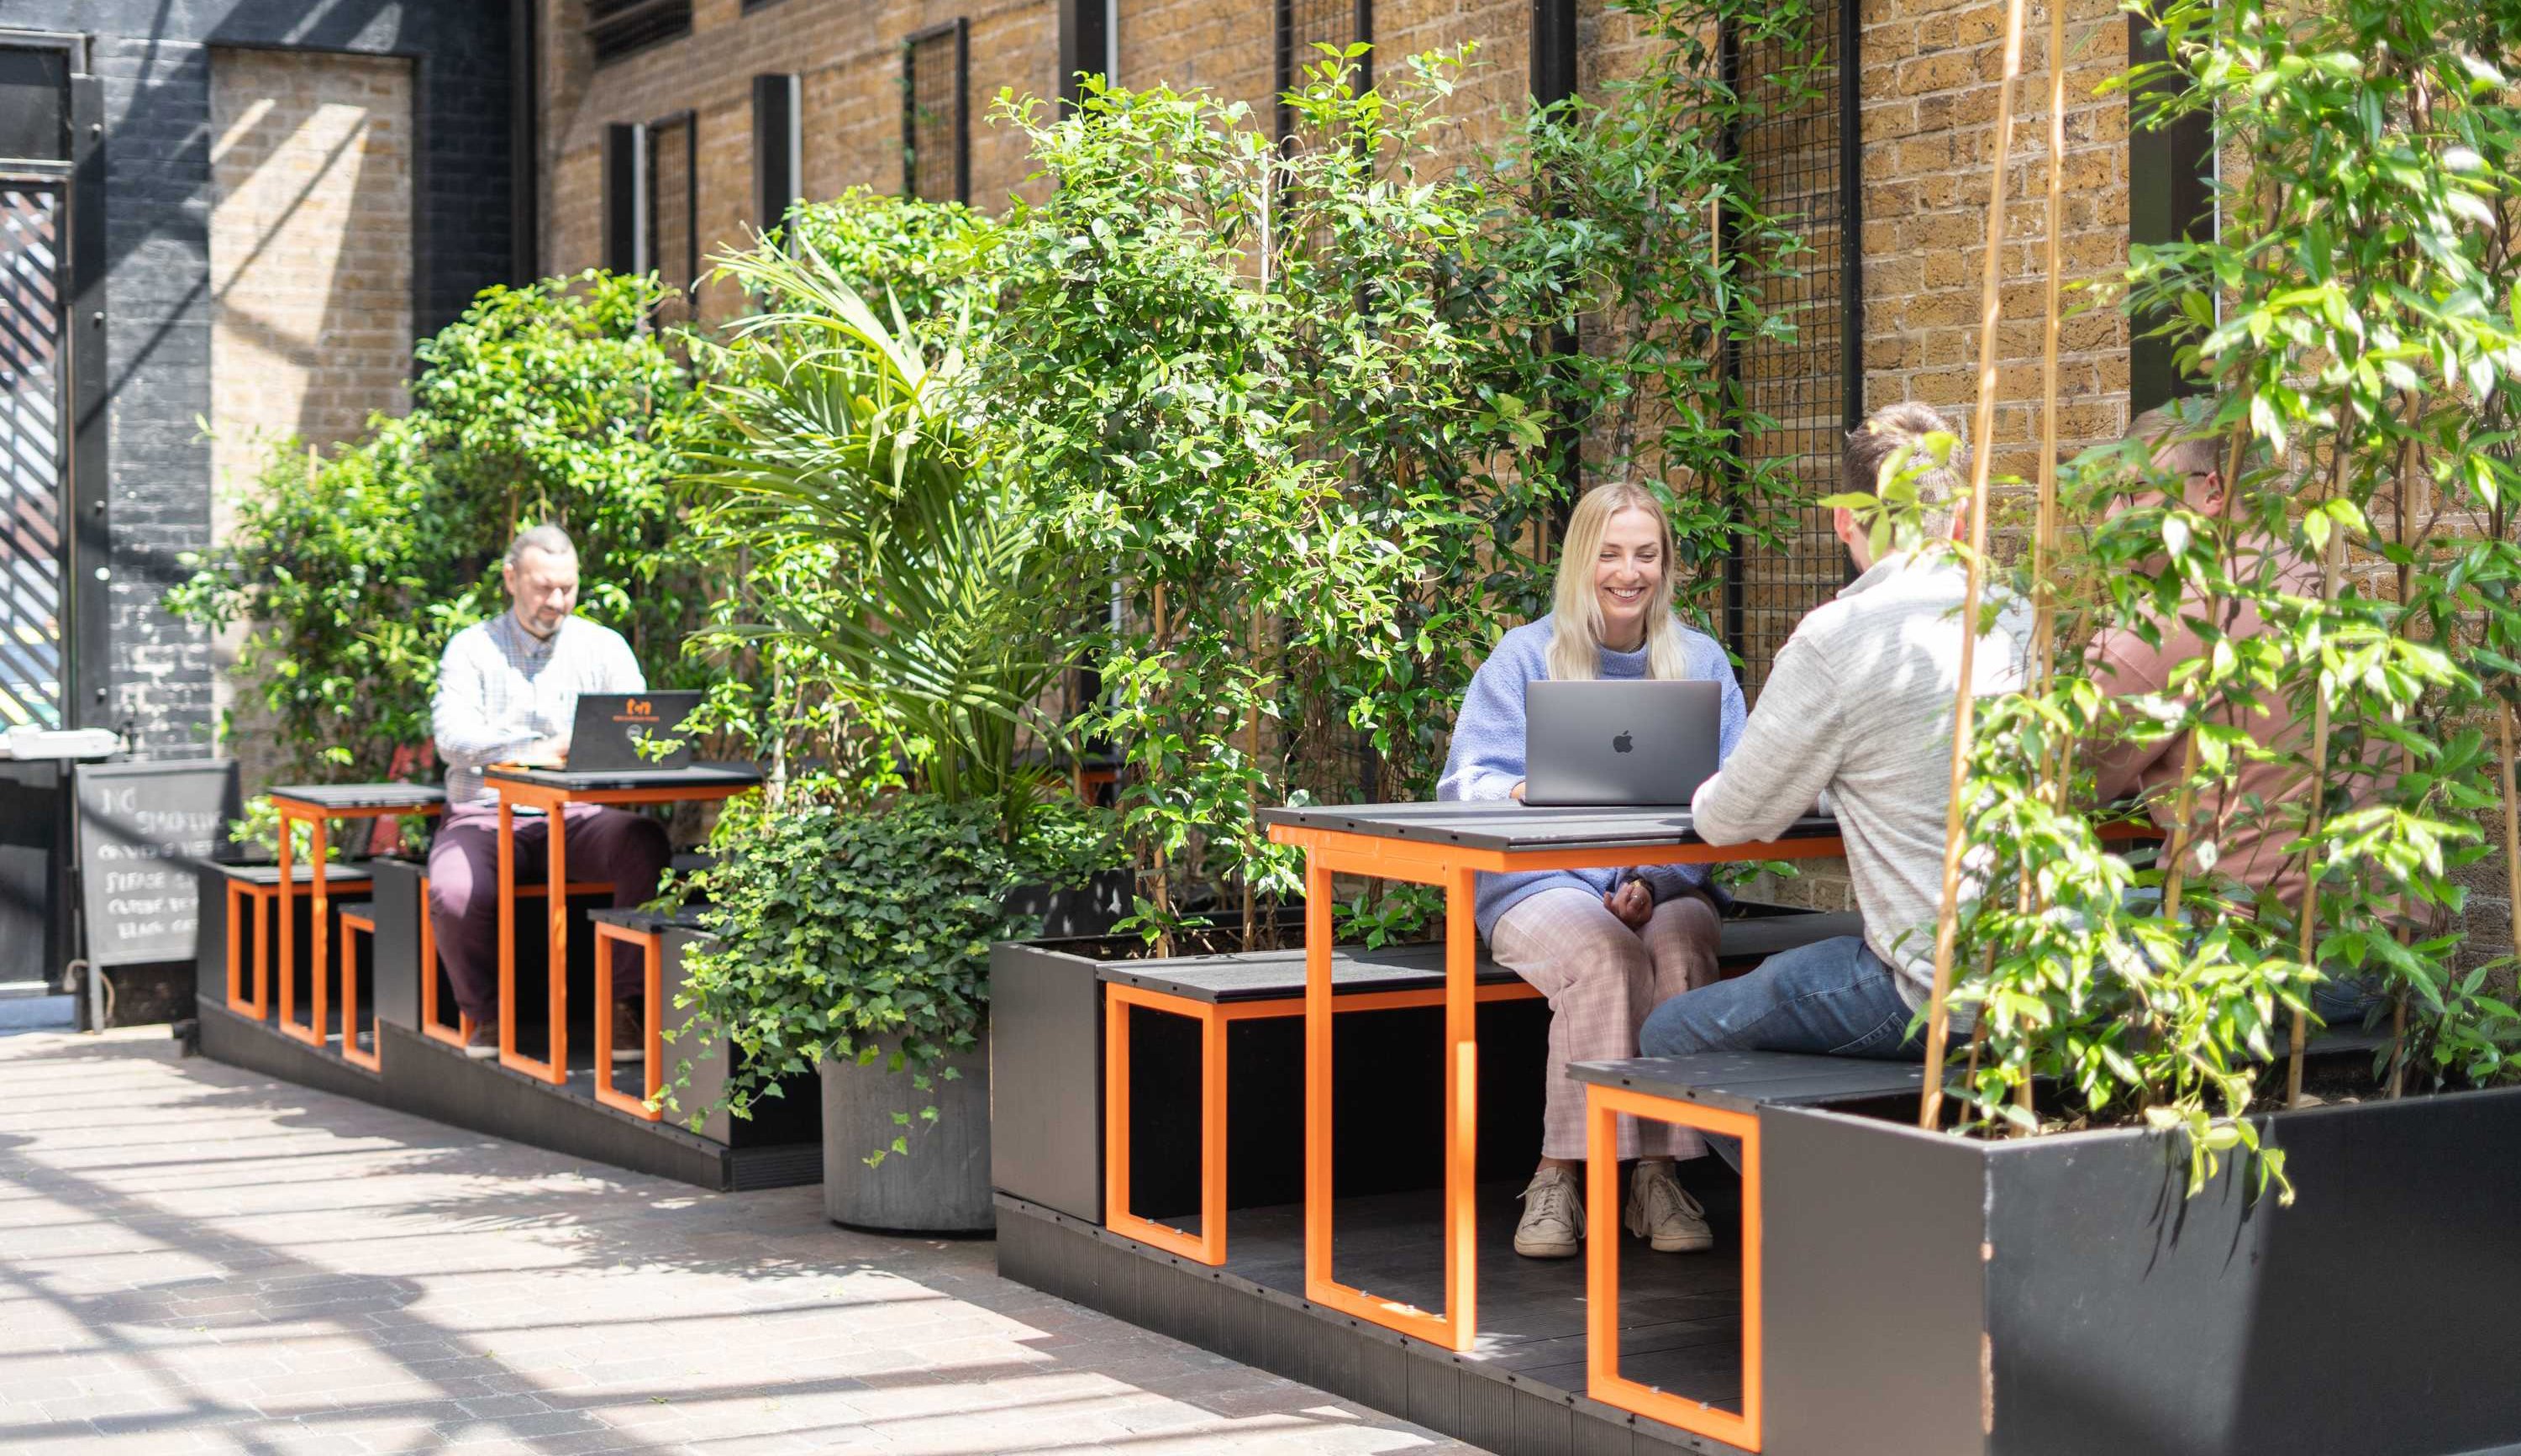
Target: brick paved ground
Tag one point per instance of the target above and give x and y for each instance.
(196, 1258)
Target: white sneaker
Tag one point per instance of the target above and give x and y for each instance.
(1663, 1214)
(1553, 1216)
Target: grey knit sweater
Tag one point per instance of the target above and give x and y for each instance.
(1859, 703)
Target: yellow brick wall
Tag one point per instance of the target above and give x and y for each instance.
(849, 59)
(310, 261)
(1930, 76)
(310, 246)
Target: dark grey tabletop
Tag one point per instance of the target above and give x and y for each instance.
(1505, 825)
(338, 797)
(1743, 1080)
(696, 776)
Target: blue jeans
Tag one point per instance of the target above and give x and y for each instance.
(1832, 997)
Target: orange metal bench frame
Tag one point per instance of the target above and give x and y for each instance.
(651, 948)
(258, 902)
(1603, 1107)
(1208, 1246)
(354, 926)
(1454, 868)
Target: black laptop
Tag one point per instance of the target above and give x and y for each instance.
(611, 727)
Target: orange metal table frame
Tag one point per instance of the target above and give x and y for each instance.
(553, 799)
(1454, 868)
(318, 817)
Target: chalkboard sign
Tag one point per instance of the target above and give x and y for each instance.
(139, 827)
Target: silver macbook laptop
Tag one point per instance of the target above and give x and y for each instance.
(1628, 740)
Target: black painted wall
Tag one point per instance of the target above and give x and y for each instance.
(154, 59)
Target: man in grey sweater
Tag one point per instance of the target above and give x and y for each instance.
(1860, 705)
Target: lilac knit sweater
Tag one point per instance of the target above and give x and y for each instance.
(1486, 758)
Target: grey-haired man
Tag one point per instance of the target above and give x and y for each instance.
(508, 690)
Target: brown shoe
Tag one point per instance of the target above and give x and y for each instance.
(629, 1033)
(485, 1044)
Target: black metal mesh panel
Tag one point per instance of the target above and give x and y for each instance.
(1304, 24)
(31, 478)
(672, 207)
(1796, 153)
(935, 128)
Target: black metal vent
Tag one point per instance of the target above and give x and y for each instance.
(1811, 385)
(617, 28)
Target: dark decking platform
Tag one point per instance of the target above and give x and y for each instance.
(1681, 1325)
(1520, 1389)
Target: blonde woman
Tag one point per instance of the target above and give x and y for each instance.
(1605, 946)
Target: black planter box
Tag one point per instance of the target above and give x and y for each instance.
(2063, 1296)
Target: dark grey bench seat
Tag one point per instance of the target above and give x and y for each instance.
(1275, 974)
(1742, 1081)
(268, 875)
(649, 921)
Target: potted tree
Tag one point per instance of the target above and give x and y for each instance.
(912, 623)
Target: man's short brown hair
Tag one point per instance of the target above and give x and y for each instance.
(1873, 445)
(2182, 436)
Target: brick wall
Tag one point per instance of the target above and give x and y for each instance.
(311, 250)
(849, 61)
(1930, 76)
(154, 64)
(310, 253)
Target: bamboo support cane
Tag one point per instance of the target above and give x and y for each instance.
(1981, 441)
(2330, 567)
(2043, 539)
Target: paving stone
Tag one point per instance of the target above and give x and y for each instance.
(195, 1258)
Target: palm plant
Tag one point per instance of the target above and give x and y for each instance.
(850, 454)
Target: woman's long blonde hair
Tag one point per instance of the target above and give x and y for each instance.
(1575, 633)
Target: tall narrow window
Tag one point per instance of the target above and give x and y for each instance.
(2171, 198)
(778, 148)
(673, 211)
(1305, 24)
(625, 198)
(1799, 394)
(935, 117)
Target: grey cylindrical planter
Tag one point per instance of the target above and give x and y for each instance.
(942, 1186)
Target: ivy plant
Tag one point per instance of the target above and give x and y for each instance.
(859, 933)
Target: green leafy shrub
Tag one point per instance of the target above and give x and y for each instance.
(2353, 321)
(350, 570)
(938, 609)
(861, 933)
(1302, 400)
(899, 253)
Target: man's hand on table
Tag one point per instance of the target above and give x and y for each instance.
(1516, 792)
(1632, 904)
(546, 753)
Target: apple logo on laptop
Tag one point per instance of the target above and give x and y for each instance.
(1622, 744)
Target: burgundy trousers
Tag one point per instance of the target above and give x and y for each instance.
(628, 849)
